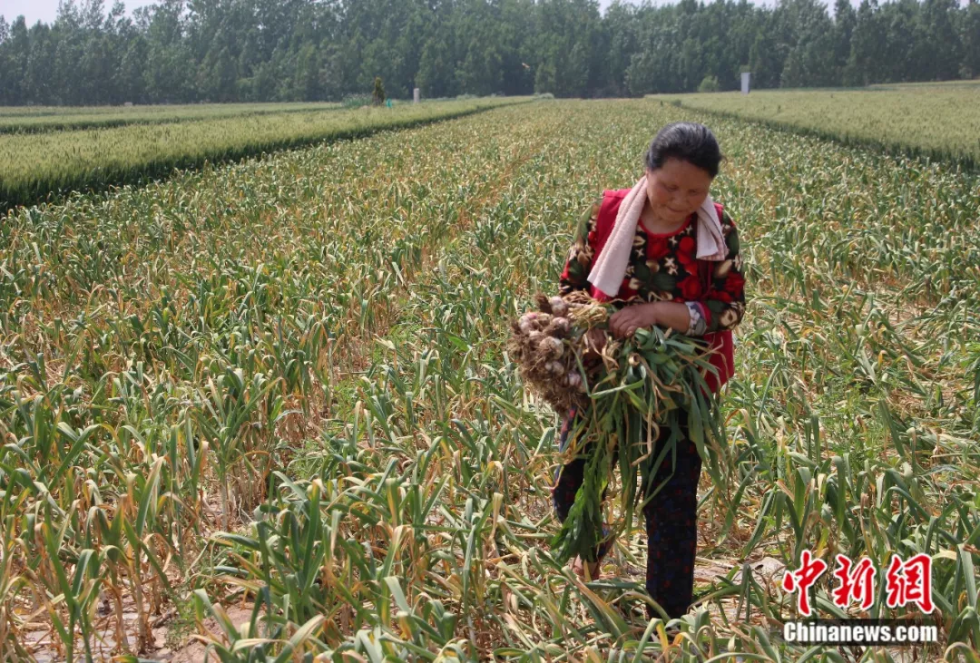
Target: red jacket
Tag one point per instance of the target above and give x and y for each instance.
(721, 345)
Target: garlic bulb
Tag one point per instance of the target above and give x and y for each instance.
(555, 367)
(561, 327)
(552, 346)
(558, 306)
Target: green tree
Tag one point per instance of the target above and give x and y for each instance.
(218, 76)
(709, 84)
(942, 38)
(844, 20)
(867, 44)
(971, 40)
(764, 63)
(265, 50)
(436, 77)
(169, 58)
(900, 60)
(7, 76)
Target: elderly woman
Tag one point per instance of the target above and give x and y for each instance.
(677, 265)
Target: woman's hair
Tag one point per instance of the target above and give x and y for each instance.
(687, 141)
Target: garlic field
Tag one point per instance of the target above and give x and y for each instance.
(937, 120)
(43, 119)
(49, 166)
(264, 410)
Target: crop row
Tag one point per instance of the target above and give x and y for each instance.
(938, 121)
(15, 120)
(39, 167)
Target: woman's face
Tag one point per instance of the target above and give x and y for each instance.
(677, 189)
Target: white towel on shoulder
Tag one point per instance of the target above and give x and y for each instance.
(610, 265)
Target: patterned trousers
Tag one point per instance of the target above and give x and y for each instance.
(671, 519)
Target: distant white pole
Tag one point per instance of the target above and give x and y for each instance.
(745, 82)
(417, 95)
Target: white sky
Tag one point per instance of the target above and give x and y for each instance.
(47, 10)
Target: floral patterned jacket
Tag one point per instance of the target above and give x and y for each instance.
(663, 267)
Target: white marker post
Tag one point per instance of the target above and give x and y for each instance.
(417, 95)
(745, 82)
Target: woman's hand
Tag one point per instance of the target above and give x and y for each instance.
(626, 321)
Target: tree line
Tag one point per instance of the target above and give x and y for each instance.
(184, 51)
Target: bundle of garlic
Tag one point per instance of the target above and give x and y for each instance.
(548, 345)
(641, 386)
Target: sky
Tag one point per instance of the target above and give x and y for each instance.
(47, 10)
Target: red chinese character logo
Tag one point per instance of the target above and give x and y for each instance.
(804, 578)
(856, 581)
(910, 582)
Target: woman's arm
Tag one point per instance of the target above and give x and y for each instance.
(578, 264)
(720, 308)
(625, 321)
(724, 303)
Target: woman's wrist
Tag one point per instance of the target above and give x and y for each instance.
(671, 314)
(651, 311)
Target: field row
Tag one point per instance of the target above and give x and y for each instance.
(39, 167)
(14, 119)
(940, 121)
(282, 384)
